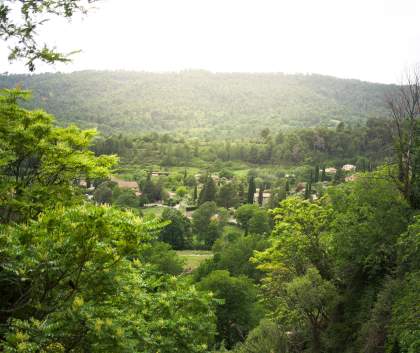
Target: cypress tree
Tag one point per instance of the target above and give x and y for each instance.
(195, 194)
(307, 192)
(316, 174)
(251, 190)
(185, 176)
(261, 195)
(208, 193)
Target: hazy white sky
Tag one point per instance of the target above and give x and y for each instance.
(372, 40)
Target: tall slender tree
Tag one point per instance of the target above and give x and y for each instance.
(208, 192)
(316, 174)
(261, 195)
(251, 190)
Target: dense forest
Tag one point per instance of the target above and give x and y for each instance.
(200, 103)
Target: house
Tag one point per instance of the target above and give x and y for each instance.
(330, 170)
(158, 174)
(349, 167)
(124, 184)
(300, 187)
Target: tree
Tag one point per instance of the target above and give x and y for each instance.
(227, 196)
(261, 195)
(323, 174)
(339, 176)
(21, 33)
(244, 215)
(259, 223)
(369, 215)
(251, 190)
(307, 194)
(300, 239)
(208, 192)
(181, 191)
(234, 255)
(195, 193)
(208, 222)
(404, 106)
(178, 232)
(103, 193)
(77, 285)
(267, 337)
(163, 258)
(265, 133)
(239, 312)
(127, 199)
(312, 297)
(316, 174)
(40, 163)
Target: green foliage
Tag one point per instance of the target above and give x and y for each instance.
(178, 232)
(405, 321)
(259, 223)
(208, 222)
(267, 337)
(227, 195)
(76, 289)
(39, 162)
(312, 298)
(234, 255)
(300, 239)
(244, 215)
(103, 193)
(208, 192)
(208, 104)
(127, 199)
(239, 311)
(163, 258)
(369, 216)
(251, 190)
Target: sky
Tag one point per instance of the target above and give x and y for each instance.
(371, 40)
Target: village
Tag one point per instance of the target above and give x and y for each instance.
(185, 198)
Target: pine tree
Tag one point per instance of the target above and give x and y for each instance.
(251, 190)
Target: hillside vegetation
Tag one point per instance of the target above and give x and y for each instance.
(200, 103)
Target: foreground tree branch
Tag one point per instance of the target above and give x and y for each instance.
(20, 20)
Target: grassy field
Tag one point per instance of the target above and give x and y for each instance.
(193, 258)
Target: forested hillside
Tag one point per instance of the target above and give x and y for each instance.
(200, 103)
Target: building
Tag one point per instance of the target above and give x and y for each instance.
(349, 167)
(158, 174)
(330, 170)
(124, 184)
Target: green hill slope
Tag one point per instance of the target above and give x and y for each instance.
(201, 103)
